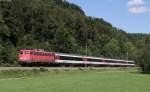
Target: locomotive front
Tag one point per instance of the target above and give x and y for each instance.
(24, 56)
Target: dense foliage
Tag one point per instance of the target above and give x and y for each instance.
(59, 26)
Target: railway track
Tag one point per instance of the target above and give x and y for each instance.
(67, 68)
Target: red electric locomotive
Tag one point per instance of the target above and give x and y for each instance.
(35, 56)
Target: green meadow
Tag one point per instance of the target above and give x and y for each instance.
(74, 81)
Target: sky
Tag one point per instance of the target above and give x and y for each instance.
(133, 16)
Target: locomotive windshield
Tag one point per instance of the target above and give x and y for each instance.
(26, 52)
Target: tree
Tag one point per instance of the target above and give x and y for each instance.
(112, 49)
(4, 30)
(64, 42)
(130, 51)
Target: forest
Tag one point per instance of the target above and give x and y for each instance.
(60, 26)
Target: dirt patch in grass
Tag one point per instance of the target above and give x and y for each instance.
(2, 79)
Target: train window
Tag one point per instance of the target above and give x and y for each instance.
(116, 61)
(131, 62)
(71, 58)
(122, 62)
(111, 61)
(35, 53)
(61, 58)
(94, 60)
(38, 53)
(48, 54)
(42, 54)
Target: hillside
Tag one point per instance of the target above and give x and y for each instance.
(59, 26)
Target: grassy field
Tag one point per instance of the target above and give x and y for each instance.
(75, 81)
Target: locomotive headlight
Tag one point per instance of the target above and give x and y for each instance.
(23, 58)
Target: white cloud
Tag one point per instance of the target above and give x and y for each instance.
(139, 9)
(136, 2)
(138, 6)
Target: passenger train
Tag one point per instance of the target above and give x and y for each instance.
(41, 57)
